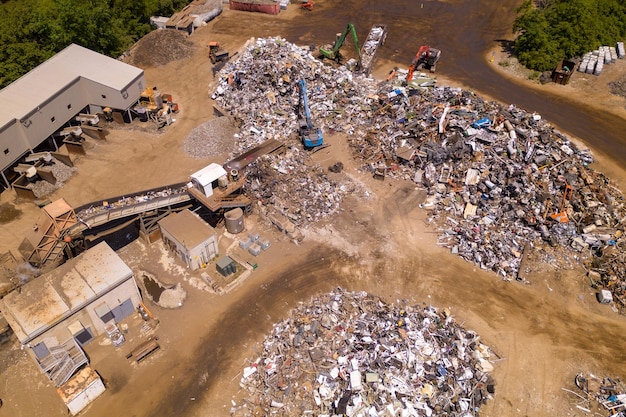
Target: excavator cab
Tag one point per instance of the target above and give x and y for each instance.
(426, 58)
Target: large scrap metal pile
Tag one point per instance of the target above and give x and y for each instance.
(498, 177)
(352, 354)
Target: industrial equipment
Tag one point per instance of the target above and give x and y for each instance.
(307, 5)
(426, 57)
(216, 54)
(332, 51)
(561, 215)
(91, 119)
(311, 136)
(375, 38)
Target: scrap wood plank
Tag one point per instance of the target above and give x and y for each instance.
(143, 350)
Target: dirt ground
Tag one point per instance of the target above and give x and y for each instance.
(544, 333)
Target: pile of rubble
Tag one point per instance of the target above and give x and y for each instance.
(302, 193)
(212, 138)
(498, 177)
(618, 87)
(352, 354)
(61, 173)
(160, 47)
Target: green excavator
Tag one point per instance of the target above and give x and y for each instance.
(332, 51)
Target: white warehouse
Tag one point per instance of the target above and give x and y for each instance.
(42, 101)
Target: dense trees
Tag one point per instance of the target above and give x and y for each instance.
(31, 31)
(550, 30)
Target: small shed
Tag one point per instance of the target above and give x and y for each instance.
(192, 239)
(226, 266)
(81, 390)
(209, 178)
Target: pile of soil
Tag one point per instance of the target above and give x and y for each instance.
(618, 87)
(160, 47)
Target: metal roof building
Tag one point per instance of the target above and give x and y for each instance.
(42, 101)
(45, 302)
(190, 238)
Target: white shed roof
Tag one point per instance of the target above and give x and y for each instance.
(34, 88)
(209, 174)
(45, 301)
(187, 228)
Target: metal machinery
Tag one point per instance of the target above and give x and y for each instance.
(311, 135)
(426, 57)
(561, 216)
(375, 38)
(307, 5)
(332, 51)
(216, 54)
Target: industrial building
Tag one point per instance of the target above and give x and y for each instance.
(190, 238)
(43, 101)
(57, 313)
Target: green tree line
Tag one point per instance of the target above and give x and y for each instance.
(550, 30)
(32, 31)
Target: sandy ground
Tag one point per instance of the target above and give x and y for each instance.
(544, 333)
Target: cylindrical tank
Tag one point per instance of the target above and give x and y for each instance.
(222, 181)
(234, 221)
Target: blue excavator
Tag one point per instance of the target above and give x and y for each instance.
(311, 135)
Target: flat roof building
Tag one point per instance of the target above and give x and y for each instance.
(190, 238)
(66, 308)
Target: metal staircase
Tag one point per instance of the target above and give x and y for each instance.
(63, 361)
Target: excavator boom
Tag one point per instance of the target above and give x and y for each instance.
(311, 135)
(332, 52)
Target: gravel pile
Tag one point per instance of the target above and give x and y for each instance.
(213, 138)
(160, 47)
(618, 87)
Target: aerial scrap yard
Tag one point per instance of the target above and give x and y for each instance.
(501, 182)
(352, 354)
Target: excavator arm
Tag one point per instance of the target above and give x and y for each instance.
(333, 53)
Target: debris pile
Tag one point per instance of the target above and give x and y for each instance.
(302, 193)
(618, 87)
(352, 354)
(211, 138)
(498, 177)
(600, 395)
(160, 47)
(61, 173)
(260, 90)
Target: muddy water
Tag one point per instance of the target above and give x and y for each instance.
(464, 31)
